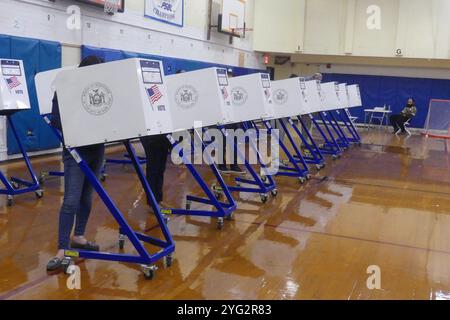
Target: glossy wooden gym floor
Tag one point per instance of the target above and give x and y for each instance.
(386, 203)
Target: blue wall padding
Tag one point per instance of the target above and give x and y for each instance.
(394, 91)
(171, 65)
(37, 56)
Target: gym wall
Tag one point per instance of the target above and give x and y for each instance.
(35, 31)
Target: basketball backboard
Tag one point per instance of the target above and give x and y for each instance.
(232, 17)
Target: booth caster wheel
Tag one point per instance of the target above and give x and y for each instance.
(320, 166)
(263, 178)
(122, 239)
(103, 177)
(308, 177)
(274, 192)
(168, 260)
(41, 178)
(39, 194)
(335, 157)
(264, 198)
(9, 201)
(219, 223)
(149, 272)
(230, 217)
(188, 205)
(302, 180)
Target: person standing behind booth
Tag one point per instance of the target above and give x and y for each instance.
(78, 192)
(234, 166)
(398, 120)
(156, 152)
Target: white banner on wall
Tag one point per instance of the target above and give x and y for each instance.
(167, 11)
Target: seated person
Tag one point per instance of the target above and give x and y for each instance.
(398, 120)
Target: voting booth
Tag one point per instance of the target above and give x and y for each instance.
(200, 96)
(46, 87)
(289, 97)
(113, 101)
(14, 98)
(330, 98)
(117, 101)
(354, 96)
(313, 96)
(251, 96)
(253, 99)
(13, 87)
(343, 96)
(343, 113)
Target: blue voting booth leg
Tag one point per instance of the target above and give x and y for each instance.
(343, 140)
(339, 138)
(290, 171)
(315, 156)
(15, 186)
(126, 160)
(143, 257)
(221, 210)
(330, 145)
(261, 184)
(44, 174)
(354, 137)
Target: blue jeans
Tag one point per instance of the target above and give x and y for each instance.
(78, 191)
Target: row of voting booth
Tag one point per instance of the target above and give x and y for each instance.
(97, 106)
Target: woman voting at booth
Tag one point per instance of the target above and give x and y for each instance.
(97, 107)
(77, 202)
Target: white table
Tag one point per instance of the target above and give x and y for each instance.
(380, 113)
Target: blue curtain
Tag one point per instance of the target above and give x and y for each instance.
(37, 56)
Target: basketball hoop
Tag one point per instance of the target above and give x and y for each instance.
(112, 6)
(241, 32)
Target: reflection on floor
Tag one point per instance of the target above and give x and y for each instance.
(386, 203)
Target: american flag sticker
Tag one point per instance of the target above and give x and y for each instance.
(13, 82)
(225, 93)
(154, 94)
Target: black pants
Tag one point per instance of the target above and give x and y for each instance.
(398, 122)
(156, 152)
